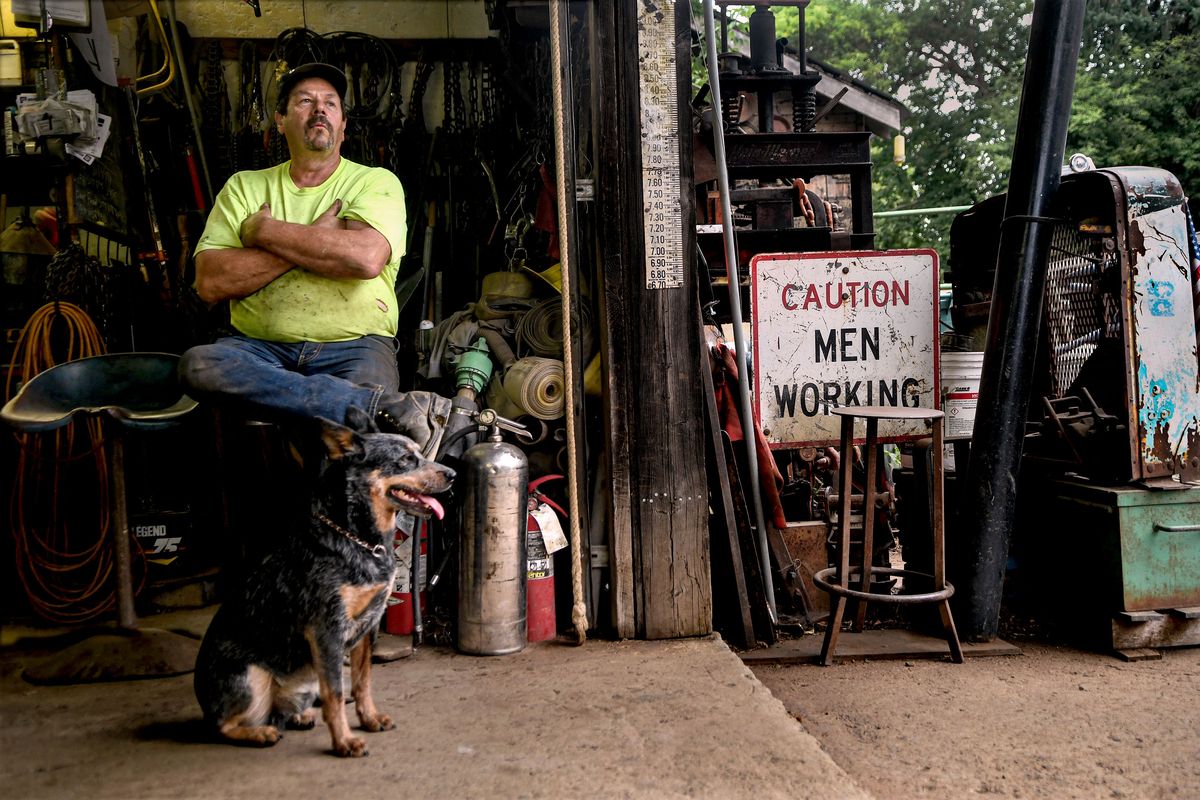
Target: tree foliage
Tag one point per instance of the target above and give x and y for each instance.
(958, 66)
(1137, 99)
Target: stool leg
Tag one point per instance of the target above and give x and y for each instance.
(956, 653)
(871, 466)
(845, 475)
(938, 523)
(832, 630)
(126, 616)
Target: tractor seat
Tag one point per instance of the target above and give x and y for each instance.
(133, 390)
(139, 390)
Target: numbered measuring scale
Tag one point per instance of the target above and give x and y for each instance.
(660, 146)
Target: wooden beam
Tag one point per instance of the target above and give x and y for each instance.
(653, 400)
(616, 179)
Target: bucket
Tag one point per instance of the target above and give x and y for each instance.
(960, 391)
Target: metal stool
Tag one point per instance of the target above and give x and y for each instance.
(839, 587)
(130, 390)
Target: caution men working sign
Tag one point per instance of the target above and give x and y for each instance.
(842, 329)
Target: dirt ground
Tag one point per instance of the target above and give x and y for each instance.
(632, 719)
(679, 718)
(1053, 722)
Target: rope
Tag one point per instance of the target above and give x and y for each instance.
(578, 607)
(59, 539)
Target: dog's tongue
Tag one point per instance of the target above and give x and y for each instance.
(434, 505)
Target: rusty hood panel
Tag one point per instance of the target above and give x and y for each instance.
(1166, 367)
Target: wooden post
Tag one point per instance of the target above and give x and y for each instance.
(652, 394)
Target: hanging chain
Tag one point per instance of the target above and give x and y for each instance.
(73, 276)
(452, 101)
(216, 114)
(489, 101)
(473, 92)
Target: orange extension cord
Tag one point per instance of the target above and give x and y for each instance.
(61, 540)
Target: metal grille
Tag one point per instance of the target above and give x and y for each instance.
(1081, 309)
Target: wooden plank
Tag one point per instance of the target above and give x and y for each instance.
(659, 485)
(807, 543)
(877, 645)
(787, 570)
(1185, 613)
(727, 566)
(615, 179)
(760, 612)
(1163, 630)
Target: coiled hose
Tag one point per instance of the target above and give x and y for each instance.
(60, 502)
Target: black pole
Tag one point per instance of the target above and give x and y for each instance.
(988, 501)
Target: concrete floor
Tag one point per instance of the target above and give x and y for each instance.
(680, 718)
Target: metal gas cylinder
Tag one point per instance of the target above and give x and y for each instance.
(491, 564)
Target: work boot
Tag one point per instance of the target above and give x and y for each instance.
(421, 416)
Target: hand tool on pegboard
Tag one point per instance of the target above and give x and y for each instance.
(159, 253)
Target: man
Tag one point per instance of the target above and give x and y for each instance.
(306, 253)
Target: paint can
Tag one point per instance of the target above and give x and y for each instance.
(960, 391)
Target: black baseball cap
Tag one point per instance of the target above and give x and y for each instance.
(316, 69)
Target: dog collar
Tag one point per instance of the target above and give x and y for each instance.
(377, 550)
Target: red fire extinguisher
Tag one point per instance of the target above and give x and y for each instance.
(539, 578)
(398, 617)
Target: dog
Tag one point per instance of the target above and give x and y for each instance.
(278, 643)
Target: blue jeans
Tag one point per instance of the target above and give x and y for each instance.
(279, 381)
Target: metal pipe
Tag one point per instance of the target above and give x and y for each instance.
(122, 559)
(802, 40)
(749, 425)
(414, 583)
(912, 212)
(988, 501)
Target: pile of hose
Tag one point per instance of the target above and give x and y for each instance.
(541, 328)
(537, 386)
(60, 506)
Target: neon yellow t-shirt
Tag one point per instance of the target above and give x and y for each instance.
(300, 306)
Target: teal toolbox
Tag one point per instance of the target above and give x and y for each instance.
(1134, 556)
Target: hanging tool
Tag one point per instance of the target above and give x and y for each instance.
(735, 305)
(159, 253)
(194, 115)
(168, 65)
(427, 260)
(254, 4)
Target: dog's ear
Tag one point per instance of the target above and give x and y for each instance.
(360, 420)
(339, 440)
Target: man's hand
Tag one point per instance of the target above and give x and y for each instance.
(253, 224)
(328, 246)
(329, 219)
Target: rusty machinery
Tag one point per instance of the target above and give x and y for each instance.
(774, 208)
(1112, 442)
(773, 150)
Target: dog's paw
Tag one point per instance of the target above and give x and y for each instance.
(350, 747)
(377, 723)
(263, 736)
(304, 721)
(253, 736)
